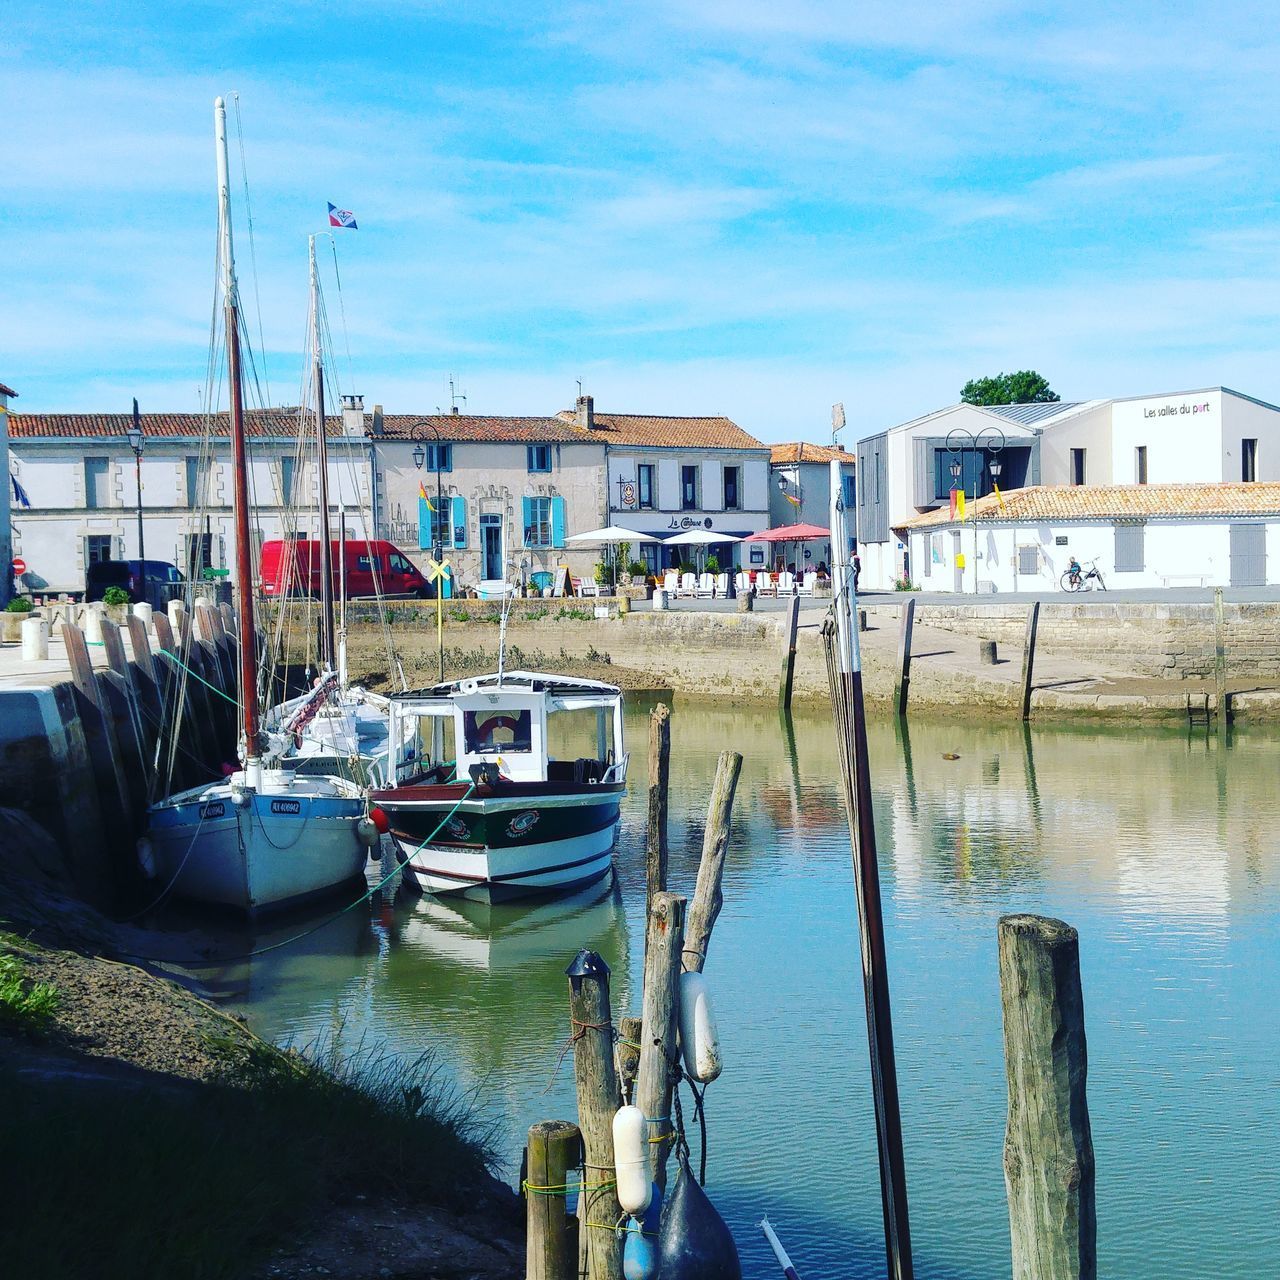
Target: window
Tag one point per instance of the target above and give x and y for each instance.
(440, 526)
(1077, 466)
(194, 495)
(1029, 560)
(539, 457)
(879, 472)
(492, 733)
(1248, 461)
(644, 486)
(199, 555)
(1140, 464)
(399, 564)
(97, 548)
(441, 453)
(731, 502)
(649, 555)
(1129, 547)
(689, 488)
(288, 470)
(538, 522)
(97, 484)
(850, 493)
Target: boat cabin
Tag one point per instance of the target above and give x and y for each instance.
(495, 727)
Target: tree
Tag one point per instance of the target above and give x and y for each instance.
(1024, 387)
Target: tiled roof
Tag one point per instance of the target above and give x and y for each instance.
(1113, 502)
(265, 423)
(7, 391)
(659, 431)
(799, 451)
(461, 427)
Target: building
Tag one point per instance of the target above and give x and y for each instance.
(800, 493)
(1152, 535)
(1191, 437)
(8, 496)
(80, 475)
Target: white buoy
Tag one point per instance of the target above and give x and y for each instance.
(144, 611)
(35, 640)
(176, 610)
(631, 1159)
(699, 1040)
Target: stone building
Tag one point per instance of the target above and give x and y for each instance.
(800, 493)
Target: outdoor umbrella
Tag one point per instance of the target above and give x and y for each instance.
(610, 536)
(701, 538)
(791, 533)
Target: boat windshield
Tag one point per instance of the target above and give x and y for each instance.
(497, 732)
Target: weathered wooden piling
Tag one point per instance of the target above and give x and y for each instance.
(598, 1098)
(902, 683)
(659, 1022)
(1029, 656)
(659, 776)
(707, 897)
(551, 1250)
(628, 1054)
(789, 630)
(1220, 658)
(1048, 1150)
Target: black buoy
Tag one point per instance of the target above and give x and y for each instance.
(693, 1241)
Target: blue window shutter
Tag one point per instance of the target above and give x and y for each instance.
(459, 521)
(557, 522)
(424, 525)
(526, 518)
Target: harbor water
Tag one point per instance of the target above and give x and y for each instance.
(1161, 848)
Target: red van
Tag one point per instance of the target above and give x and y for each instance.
(373, 568)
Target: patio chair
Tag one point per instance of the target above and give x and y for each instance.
(586, 587)
(765, 585)
(807, 583)
(722, 585)
(742, 581)
(688, 586)
(671, 582)
(706, 586)
(786, 583)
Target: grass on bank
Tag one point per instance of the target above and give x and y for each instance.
(196, 1181)
(24, 1005)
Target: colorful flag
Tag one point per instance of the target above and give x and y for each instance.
(19, 493)
(959, 504)
(791, 498)
(422, 495)
(953, 503)
(342, 218)
(999, 495)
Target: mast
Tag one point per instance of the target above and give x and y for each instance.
(322, 461)
(342, 591)
(239, 459)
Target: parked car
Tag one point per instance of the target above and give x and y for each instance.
(163, 579)
(373, 567)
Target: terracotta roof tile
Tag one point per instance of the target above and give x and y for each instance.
(462, 427)
(7, 391)
(660, 431)
(1113, 502)
(264, 423)
(801, 451)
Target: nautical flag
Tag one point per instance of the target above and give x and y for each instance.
(19, 493)
(342, 218)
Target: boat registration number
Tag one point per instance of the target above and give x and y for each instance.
(213, 810)
(286, 806)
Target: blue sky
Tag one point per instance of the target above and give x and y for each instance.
(739, 207)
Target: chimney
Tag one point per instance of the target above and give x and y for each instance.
(586, 412)
(453, 409)
(377, 419)
(353, 415)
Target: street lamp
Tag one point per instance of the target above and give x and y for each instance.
(437, 523)
(988, 440)
(136, 440)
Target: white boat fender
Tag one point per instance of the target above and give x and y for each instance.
(240, 797)
(631, 1159)
(468, 686)
(699, 1040)
(367, 832)
(146, 858)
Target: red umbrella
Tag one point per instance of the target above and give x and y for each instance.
(791, 533)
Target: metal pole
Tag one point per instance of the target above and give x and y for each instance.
(437, 543)
(137, 476)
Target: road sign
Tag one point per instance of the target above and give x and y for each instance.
(19, 566)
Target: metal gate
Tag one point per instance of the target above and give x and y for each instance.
(1248, 555)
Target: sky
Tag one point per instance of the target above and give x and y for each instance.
(752, 208)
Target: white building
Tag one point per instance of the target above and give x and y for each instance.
(1181, 438)
(1152, 535)
(800, 493)
(8, 493)
(78, 472)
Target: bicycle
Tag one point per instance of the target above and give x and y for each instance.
(1083, 581)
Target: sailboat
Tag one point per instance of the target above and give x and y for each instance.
(268, 835)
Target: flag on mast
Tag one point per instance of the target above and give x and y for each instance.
(422, 495)
(342, 218)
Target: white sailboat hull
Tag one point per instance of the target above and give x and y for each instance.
(256, 851)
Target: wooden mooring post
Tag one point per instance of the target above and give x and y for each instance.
(903, 682)
(1029, 657)
(1220, 658)
(707, 897)
(551, 1250)
(1048, 1149)
(659, 776)
(592, 1036)
(789, 630)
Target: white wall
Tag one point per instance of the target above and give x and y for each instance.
(1243, 419)
(1182, 435)
(1090, 430)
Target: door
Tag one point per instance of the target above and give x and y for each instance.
(1248, 555)
(955, 560)
(491, 546)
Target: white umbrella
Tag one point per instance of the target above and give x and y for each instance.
(700, 538)
(610, 535)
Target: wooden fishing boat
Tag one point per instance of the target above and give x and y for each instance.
(481, 807)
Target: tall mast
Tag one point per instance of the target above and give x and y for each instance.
(322, 461)
(239, 461)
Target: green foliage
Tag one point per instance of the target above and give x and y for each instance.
(637, 569)
(602, 572)
(1023, 387)
(905, 584)
(19, 604)
(622, 553)
(687, 566)
(713, 564)
(115, 596)
(29, 1006)
(577, 615)
(595, 655)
